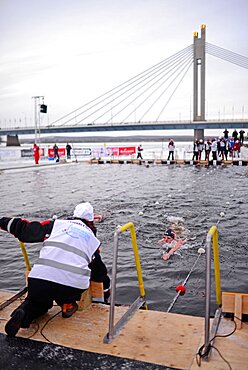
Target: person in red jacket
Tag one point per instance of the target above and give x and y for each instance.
(36, 151)
(236, 148)
(69, 258)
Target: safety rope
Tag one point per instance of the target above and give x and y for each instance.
(181, 288)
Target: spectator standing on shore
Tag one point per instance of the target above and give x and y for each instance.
(171, 147)
(200, 149)
(195, 150)
(226, 132)
(68, 150)
(207, 149)
(56, 152)
(241, 136)
(227, 149)
(36, 151)
(214, 149)
(222, 148)
(231, 144)
(236, 148)
(235, 135)
(139, 152)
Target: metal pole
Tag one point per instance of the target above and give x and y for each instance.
(113, 288)
(207, 291)
(37, 116)
(35, 119)
(39, 123)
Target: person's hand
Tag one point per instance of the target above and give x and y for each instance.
(107, 295)
(98, 218)
(166, 256)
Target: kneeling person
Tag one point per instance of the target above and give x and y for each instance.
(69, 256)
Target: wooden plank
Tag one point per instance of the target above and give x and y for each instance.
(157, 337)
(238, 310)
(228, 302)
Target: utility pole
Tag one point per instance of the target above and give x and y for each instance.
(42, 109)
(199, 80)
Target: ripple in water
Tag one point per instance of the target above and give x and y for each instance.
(150, 198)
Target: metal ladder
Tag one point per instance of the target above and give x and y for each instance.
(211, 239)
(114, 330)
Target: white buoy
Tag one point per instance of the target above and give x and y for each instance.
(201, 250)
(24, 204)
(231, 195)
(156, 203)
(222, 214)
(54, 217)
(141, 213)
(227, 202)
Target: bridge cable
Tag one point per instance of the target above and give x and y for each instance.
(141, 94)
(118, 96)
(123, 84)
(153, 92)
(151, 106)
(227, 55)
(149, 77)
(173, 92)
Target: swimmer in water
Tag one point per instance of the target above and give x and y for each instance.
(98, 217)
(171, 243)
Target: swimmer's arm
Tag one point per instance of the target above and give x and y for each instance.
(167, 255)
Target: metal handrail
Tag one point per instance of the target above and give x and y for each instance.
(212, 238)
(140, 301)
(25, 256)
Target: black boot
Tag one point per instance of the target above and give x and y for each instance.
(14, 324)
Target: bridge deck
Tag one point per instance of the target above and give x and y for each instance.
(165, 339)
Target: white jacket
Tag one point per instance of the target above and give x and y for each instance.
(65, 255)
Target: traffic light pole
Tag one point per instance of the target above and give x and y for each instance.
(37, 115)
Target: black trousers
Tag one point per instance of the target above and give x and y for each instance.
(41, 294)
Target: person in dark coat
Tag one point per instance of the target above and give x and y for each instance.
(69, 258)
(139, 152)
(68, 150)
(56, 152)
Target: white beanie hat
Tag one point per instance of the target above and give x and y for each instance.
(85, 211)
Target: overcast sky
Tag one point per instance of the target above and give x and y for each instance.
(71, 51)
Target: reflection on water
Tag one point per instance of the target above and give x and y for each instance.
(147, 197)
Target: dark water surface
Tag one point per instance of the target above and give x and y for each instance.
(148, 197)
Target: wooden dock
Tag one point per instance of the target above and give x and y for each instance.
(179, 162)
(166, 339)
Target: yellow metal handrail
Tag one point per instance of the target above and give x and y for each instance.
(213, 235)
(140, 301)
(130, 226)
(25, 255)
(212, 239)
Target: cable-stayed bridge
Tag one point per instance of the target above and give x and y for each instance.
(148, 94)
